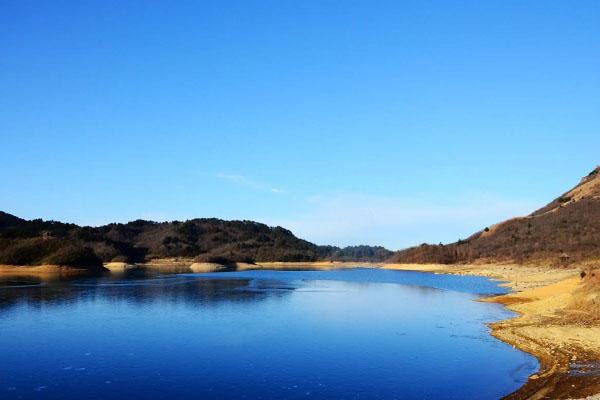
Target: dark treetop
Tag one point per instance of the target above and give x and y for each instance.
(38, 242)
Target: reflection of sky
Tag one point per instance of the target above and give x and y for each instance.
(215, 337)
(461, 283)
(170, 289)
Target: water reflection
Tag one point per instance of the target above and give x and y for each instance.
(136, 287)
(19, 281)
(257, 334)
(169, 285)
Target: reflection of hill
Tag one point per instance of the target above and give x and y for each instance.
(193, 291)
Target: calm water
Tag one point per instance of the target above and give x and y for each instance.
(351, 334)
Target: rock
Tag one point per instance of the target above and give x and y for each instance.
(119, 266)
(211, 267)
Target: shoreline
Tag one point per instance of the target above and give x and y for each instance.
(46, 270)
(180, 265)
(188, 265)
(568, 351)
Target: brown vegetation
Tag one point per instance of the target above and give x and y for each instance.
(570, 225)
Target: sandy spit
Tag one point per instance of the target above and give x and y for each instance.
(40, 270)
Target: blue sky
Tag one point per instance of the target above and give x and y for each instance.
(377, 122)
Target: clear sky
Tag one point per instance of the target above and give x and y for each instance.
(349, 122)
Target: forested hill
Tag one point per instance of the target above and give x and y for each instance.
(566, 230)
(36, 242)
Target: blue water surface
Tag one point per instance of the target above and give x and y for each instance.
(344, 334)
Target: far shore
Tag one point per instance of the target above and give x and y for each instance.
(184, 265)
(179, 264)
(43, 270)
(547, 324)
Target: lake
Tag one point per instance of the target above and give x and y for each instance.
(345, 334)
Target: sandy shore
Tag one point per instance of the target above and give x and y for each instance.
(182, 265)
(314, 266)
(189, 265)
(41, 270)
(558, 322)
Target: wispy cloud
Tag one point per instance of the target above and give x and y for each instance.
(399, 222)
(241, 180)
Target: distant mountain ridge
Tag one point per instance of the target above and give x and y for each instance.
(568, 228)
(37, 242)
(565, 230)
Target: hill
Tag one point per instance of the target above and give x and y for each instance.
(37, 242)
(565, 230)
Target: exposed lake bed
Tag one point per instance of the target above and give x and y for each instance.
(359, 333)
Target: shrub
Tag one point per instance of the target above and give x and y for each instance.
(75, 256)
(213, 259)
(26, 252)
(247, 260)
